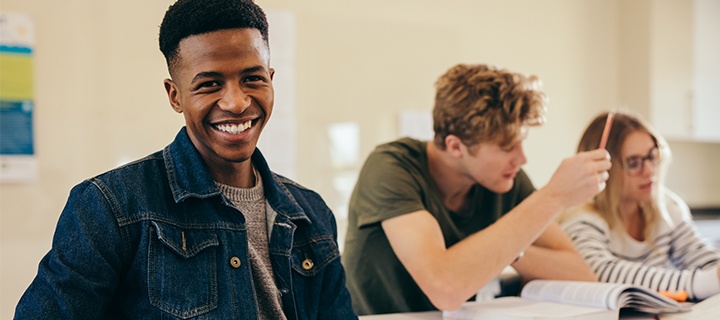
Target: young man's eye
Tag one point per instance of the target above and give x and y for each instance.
(210, 84)
(254, 79)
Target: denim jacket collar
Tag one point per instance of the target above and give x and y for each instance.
(188, 176)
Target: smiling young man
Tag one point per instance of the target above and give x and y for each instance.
(203, 228)
(432, 222)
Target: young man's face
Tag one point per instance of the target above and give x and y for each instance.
(494, 166)
(222, 84)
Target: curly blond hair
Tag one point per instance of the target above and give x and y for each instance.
(482, 103)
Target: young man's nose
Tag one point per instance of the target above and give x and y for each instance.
(519, 159)
(234, 99)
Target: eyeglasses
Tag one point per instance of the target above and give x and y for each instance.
(635, 165)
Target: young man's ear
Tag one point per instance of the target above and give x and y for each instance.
(454, 145)
(173, 95)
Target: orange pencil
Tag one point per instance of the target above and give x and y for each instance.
(606, 131)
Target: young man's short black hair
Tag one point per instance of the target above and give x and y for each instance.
(190, 17)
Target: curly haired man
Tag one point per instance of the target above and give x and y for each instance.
(432, 222)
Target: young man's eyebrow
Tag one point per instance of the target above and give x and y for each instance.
(206, 74)
(215, 74)
(254, 69)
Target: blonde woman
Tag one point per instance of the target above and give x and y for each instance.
(636, 231)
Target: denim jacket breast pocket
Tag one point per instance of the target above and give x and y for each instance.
(310, 257)
(182, 269)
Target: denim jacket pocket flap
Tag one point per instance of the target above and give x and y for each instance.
(185, 242)
(182, 269)
(310, 257)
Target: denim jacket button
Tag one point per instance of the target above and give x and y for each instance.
(307, 264)
(235, 262)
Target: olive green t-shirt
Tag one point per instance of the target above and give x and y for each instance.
(394, 181)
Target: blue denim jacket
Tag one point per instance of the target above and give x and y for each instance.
(155, 239)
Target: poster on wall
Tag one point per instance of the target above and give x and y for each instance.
(18, 163)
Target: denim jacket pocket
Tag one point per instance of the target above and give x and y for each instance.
(182, 269)
(310, 257)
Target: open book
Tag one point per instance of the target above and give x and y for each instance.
(708, 309)
(556, 299)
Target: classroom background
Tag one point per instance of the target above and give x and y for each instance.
(353, 74)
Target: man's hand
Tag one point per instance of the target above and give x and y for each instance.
(580, 177)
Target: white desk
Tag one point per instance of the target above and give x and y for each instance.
(509, 282)
(437, 315)
(427, 315)
(705, 310)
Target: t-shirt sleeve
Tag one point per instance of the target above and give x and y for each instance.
(386, 188)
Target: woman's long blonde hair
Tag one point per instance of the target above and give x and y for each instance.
(607, 203)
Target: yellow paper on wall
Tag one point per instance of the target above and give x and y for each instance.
(16, 77)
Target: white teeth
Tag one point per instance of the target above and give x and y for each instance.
(234, 128)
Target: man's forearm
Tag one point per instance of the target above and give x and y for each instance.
(545, 263)
(442, 272)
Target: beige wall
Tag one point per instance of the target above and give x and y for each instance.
(100, 100)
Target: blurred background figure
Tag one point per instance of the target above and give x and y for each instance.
(637, 231)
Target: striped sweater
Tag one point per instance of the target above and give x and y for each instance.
(678, 260)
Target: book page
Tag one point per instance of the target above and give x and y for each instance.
(648, 301)
(510, 308)
(611, 296)
(591, 294)
(708, 309)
